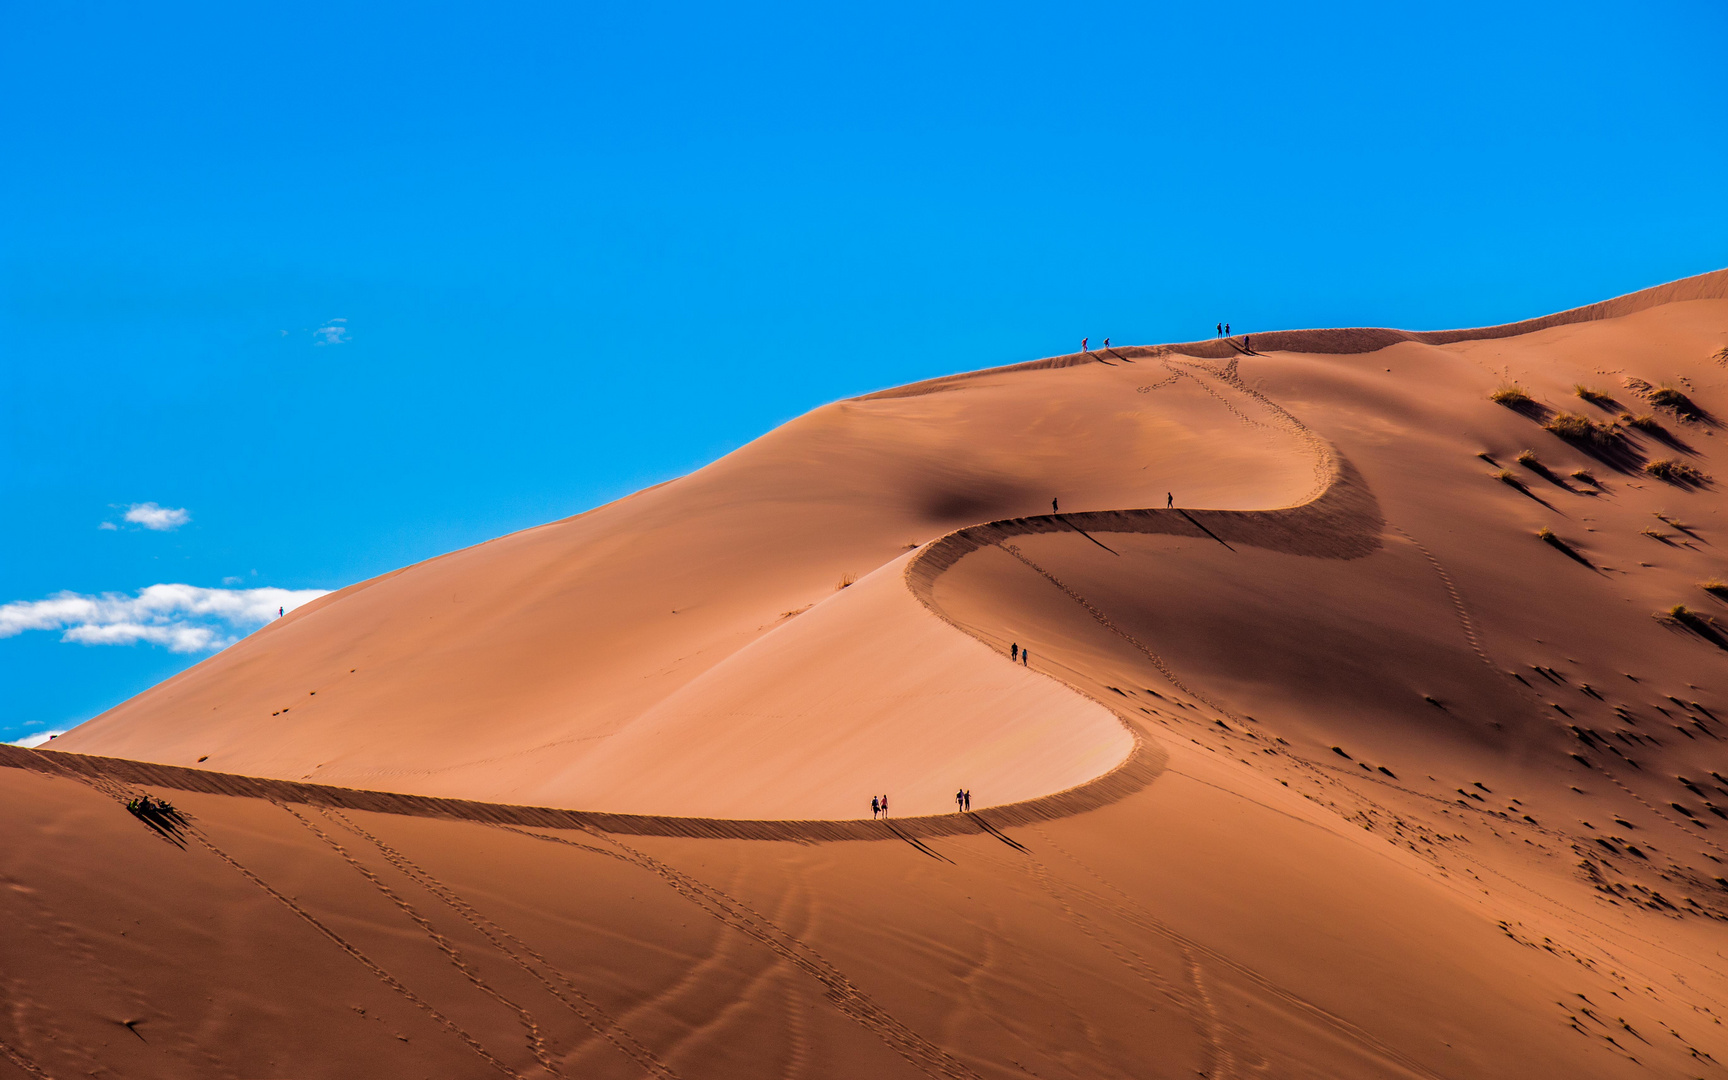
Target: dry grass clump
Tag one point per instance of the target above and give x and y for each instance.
(1512, 396)
(1715, 587)
(1581, 429)
(1594, 397)
(1529, 460)
(1646, 423)
(1586, 476)
(1682, 615)
(1675, 400)
(845, 580)
(1676, 472)
(1507, 476)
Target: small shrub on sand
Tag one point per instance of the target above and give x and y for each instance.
(1675, 400)
(1716, 588)
(1581, 429)
(1507, 476)
(1594, 397)
(1546, 535)
(1586, 476)
(1529, 460)
(1646, 423)
(845, 580)
(1681, 615)
(1512, 396)
(1676, 472)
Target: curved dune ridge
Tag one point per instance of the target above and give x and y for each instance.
(1401, 758)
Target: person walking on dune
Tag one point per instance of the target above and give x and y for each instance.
(884, 806)
(1220, 328)
(1083, 347)
(1169, 500)
(1106, 343)
(967, 797)
(1226, 329)
(1025, 657)
(1246, 346)
(1014, 652)
(959, 800)
(1053, 507)
(875, 808)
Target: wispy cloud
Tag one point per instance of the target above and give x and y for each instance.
(181, 618)
(37, 739)
(159, 518)
(333, 332)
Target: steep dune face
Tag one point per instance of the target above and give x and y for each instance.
(1418, 793)
(570, 665)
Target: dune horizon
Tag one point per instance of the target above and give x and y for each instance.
(1338, 703)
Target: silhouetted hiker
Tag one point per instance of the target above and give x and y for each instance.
(884, 806)
(1169, 500)
(1106, 343)
(966, 797)
(1025, 657)
(1014, 651)
(279, 612)
(959, 801)
(1220, 327)
(1083, 347)
(1245, 346)
(875, 807)
(1053, 508)
(1226, 329)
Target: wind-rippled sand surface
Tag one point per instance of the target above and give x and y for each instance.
(1335, 769)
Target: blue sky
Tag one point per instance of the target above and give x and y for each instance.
(350, 288)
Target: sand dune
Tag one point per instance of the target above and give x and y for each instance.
(1410, 790)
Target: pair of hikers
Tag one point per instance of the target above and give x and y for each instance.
(1224, 329)
(1015, 652)
(962, 801)
(878, 805)
(1084, 340)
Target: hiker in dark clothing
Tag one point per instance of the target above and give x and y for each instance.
(875, 807)
(1106, 343)
(1220, 327)
(1246, 347)
(1083, 347)
(884, 806)
(1025, 657)
(959, 801)
(1014, 651)
(967, 796)
(1053, 508)
(1226, 329)
(1169, 500)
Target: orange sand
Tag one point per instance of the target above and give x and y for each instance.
(1513, 863)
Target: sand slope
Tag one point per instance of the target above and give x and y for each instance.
(1417, 793)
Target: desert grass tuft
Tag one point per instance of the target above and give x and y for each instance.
(1681, 615)
(1715, 587)
(1677, 472)
(1594, 397)
(1512, 396)
(1581, 429)
(1552, 539)
(1586, 476)
(845, 580)
(1646, 423)
(1675, 400)
(1509, 478)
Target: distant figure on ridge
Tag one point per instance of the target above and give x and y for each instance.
(279, 612)
(1014, 652)
(1226, 329)
(875, 807)
(884, 806)
(1025, 657)
(967, 795)
(1220, 327)
(1053, 508)
(1169, 500)
(959, 801)
(1083, 347)
(1246, 347)
(1106, 343)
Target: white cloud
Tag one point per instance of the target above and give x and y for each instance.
(37, 739)
(183, 618)
(109, 525)
(333, 332)
(159, 518)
